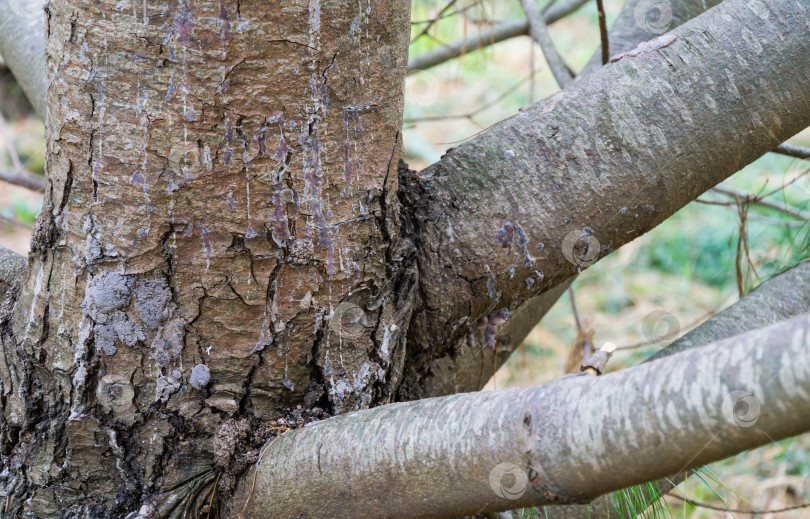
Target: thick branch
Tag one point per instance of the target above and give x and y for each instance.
(568, 441)
(12, 268)
(529, 203)
(782, 297)
(22, 45)
(500, 32)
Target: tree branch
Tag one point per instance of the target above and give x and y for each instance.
(539, 33)
(643, 20)
(446, 457)
(22, 45)
(500, 32)
(12, 268)
(526, 205)
(791, 150)
(23, 180)
(782, 297)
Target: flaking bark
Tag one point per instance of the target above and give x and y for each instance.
(221, 199)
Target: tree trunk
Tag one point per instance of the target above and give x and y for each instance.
(221, 254)
(219, 246)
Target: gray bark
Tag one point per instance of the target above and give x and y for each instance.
(564, 442)
(532, 201)
(642, 20)
(782, 297)
(22, 45)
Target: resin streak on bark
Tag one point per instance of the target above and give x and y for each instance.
(221, 205)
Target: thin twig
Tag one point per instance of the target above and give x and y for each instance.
(23, 180)
(699, 504)
(213, 492)
(650, 342)
(582, 347)
(574, 309)
(457, 12)
(539, 33)
(743, 248)
(500, 32)
(603, 32)
(791, 150)
(761, 200)
(430, 24)
(470, 115)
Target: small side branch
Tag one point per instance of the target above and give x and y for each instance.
(498, 33)
(791, 150)
(539, 33)
(603, 32)
(23, 180)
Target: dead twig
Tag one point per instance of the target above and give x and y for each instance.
(539, 33)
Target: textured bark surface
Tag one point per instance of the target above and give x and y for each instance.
(782, 297)
(529, 203)
(643, 20)
(220, 250)
(218, 247)
(564, 442)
